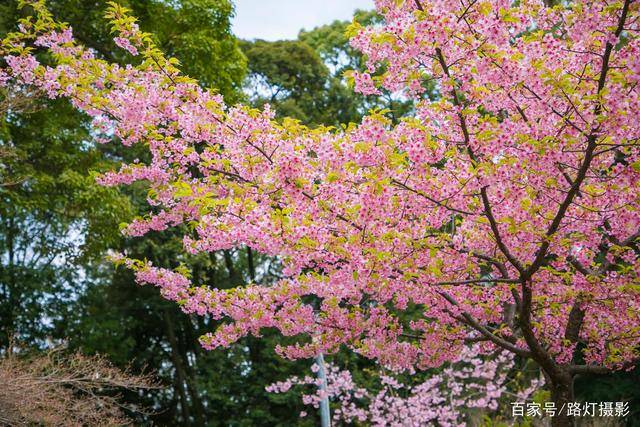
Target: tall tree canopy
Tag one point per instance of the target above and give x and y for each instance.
(308, 79)
(287, 74)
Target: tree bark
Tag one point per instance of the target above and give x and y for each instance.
(251, 265)
(235, 278)
(561, 387)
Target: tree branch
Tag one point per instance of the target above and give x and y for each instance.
(588, 156)
(472, 322)
(483, 191)
(429, 198)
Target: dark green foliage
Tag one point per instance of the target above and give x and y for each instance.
(287, 74)
(332, 44)
(623, 386)
(54, 216)
(221, 387)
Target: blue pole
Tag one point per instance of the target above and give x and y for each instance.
(325, 417)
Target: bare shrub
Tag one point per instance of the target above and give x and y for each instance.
(61, 389)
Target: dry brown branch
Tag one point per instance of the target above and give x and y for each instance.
(61, 389)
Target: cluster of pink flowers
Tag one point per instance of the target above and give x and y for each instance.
(446, 398)
(125, 44)
(507, 208)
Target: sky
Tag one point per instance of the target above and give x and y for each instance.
(283, 19)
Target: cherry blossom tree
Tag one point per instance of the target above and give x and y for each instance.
(505, 210)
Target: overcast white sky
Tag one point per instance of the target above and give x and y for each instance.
(282, 19)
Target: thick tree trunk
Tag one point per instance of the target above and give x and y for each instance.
(251, 265)
(235, 278)
(561, 395)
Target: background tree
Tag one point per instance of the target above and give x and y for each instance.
(288, 75)
(308, 78)
(54, 217)
(332, 43)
